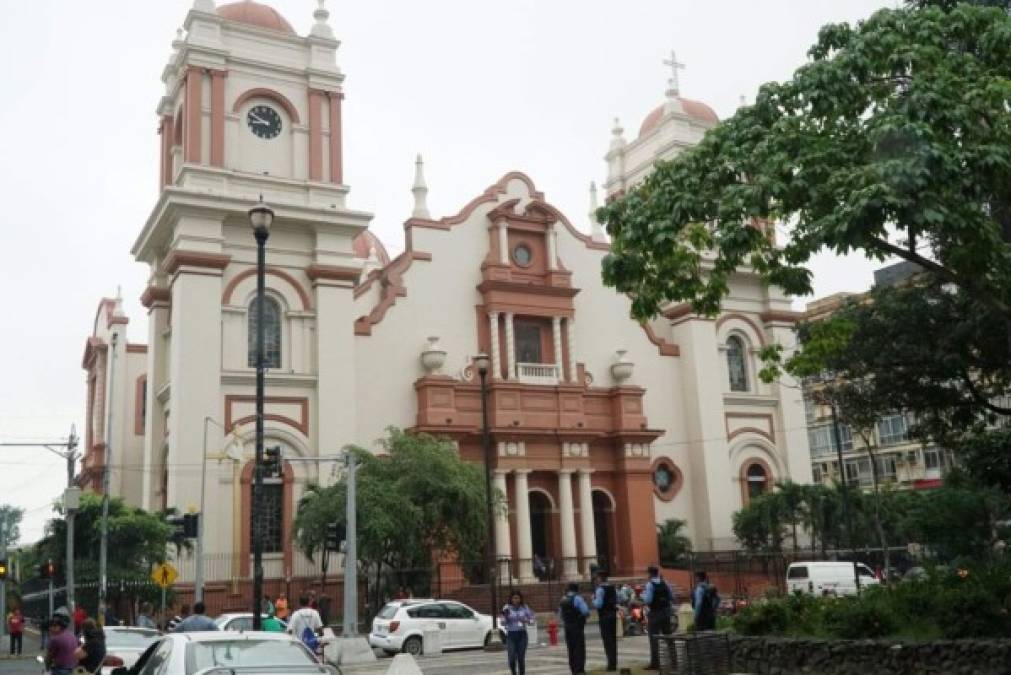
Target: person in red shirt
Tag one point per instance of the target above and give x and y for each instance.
(79, 616)
(16, 628)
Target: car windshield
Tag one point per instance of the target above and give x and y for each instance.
(387, 612)
(129, 639)
(200, 655)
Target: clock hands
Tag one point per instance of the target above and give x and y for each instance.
(257, 120)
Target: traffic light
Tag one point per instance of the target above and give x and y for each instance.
(336, 533)
(178, 525)
(3, 570)
(191, 525)
(272, 461)
(47, 570)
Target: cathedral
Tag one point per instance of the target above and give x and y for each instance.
(603, 427)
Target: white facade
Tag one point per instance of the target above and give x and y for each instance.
(572, 426)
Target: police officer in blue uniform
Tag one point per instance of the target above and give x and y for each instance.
(573, 612)
(605, 600)
(658, 596)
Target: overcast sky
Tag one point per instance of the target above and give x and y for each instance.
(479, 88)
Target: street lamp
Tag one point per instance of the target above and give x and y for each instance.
(261, 217)
(483, 362)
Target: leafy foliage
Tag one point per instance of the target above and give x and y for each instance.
(10, 517)
(897, 127)
(674, 546)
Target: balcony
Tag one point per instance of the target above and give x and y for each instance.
(538, 373)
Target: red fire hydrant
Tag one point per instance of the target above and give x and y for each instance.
(553, 632)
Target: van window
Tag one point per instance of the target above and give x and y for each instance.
(865, 571)
(797, 572)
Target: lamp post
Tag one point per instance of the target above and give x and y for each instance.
(482, 362)
(261, 217)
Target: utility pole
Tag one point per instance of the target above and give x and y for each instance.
(351, 554)
(70, 455)
(103, 551)
(3, 581)
(845, 489)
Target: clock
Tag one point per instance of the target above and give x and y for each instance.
(264, 121)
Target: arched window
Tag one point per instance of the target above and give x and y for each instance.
(736, 364)
(271, 333)
(758, 480)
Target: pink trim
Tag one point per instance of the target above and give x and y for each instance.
(191, 128)
(226, 296)
(336, 149)
(263, 92)
(218, 117)
(759, 333)
(316, 134)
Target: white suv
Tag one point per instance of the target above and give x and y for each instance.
(400, 625)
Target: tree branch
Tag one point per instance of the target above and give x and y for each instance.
(978, 396)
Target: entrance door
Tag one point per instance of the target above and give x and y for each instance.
(540, 534)
(602, 511)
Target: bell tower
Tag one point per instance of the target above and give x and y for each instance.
(247, 95)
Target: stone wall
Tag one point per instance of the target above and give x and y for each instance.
(789, 656)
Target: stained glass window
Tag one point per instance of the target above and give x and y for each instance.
(271, 333)
(736, 364)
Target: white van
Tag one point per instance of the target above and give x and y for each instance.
(828, 578)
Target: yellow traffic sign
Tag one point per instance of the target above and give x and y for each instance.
(164, 574)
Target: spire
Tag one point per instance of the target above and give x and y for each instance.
(178, 42)
(596, 231)
(206, 6)
(371, 263)
(617, 140)
(322, 27)
(420, 190)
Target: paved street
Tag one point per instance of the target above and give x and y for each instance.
(540, 660)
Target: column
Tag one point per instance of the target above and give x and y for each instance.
(493, 346)
(570, 564)
(589, 535)
(194, 112)
(552, 252)
(336, 149)
(510, 347)
(502, 548)
(570, 336)
(524, 543)
(556, 335)
(316, 134)
(503, 243)
(218, 117)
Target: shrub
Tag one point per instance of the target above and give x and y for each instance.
(867, 616)
(769, 617)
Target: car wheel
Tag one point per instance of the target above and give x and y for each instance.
(412, 646)
(487, 639)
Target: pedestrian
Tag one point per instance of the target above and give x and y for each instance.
(79, 616)
(658, 597)
(605, 600)
(325, 605)
(281, 607)
(271, 624)
(312, 600)
(705, 602)
(110, 617)
(573, 612)
(305, 623)
(268, 606)
(16, 629)
(516, 616)
(91, 654)
(62, 645)
(197, 621)
(144, 619)
(184, 611)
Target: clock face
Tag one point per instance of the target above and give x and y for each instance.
(264, 121)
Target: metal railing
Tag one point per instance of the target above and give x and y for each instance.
(538, 373)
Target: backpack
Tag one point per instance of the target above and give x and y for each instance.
(309, 639)
(661, 601)
(710, 603)
(570, 613)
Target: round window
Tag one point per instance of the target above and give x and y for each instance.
(522, 255)
(666, 479)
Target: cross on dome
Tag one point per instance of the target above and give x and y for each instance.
(673, 87)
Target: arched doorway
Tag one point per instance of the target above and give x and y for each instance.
(540, 533)
(603, 510)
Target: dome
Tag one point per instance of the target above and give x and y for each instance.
(366, 241)
(255, 14)
(695, 109)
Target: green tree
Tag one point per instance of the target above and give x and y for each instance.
(893, 140)
(10, 523)
(959, 519)
(760, 526)
(317, 509)
(792, 496)
(673, 544)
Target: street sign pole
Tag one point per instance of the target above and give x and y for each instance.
(51, 608)
(3, 582)
(163, 603)
(351, 556)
